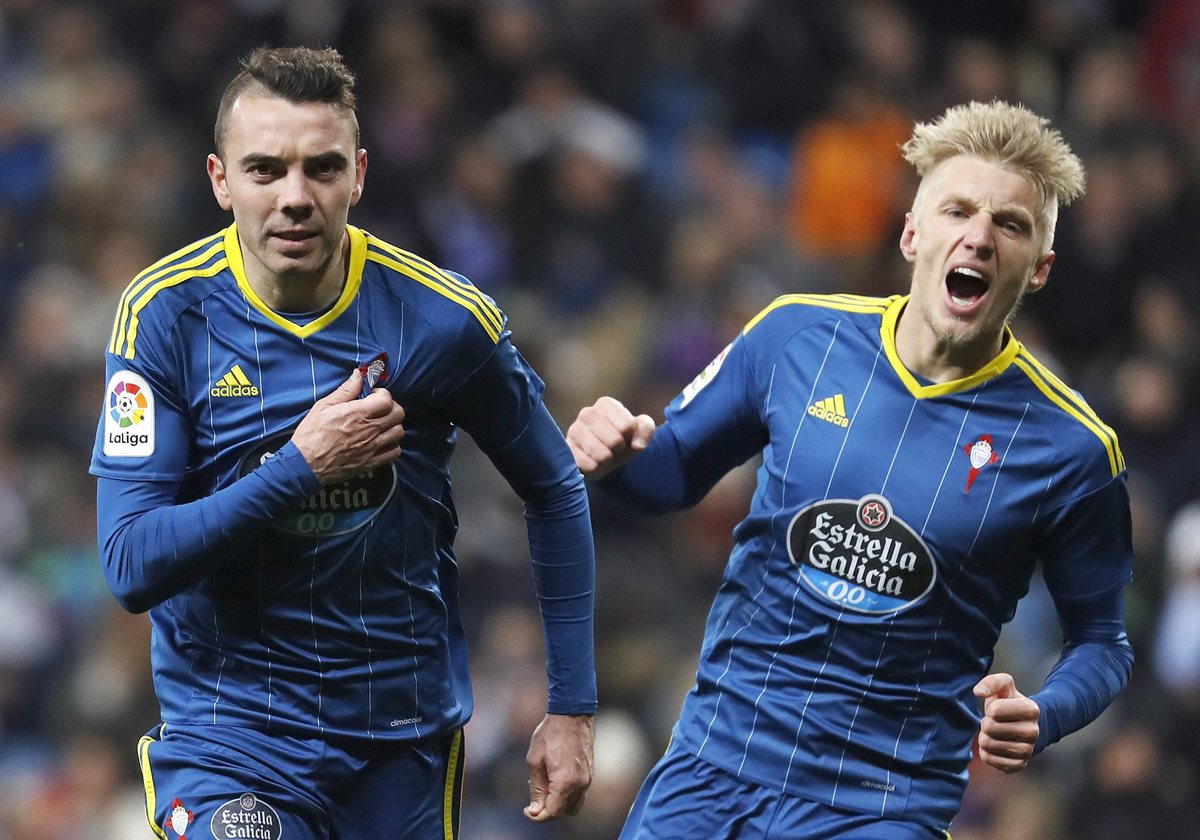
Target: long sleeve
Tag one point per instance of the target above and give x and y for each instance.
(542, 472)
(1088, 551)
(1094, 667)
(500, 406)
(655, 481)
(711, 427)
(153, 548)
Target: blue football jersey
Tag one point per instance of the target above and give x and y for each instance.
(895, 525)
(339, 617)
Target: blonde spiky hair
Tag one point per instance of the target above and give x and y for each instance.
(1010, 135)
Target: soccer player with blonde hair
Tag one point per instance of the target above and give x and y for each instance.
(919, 465)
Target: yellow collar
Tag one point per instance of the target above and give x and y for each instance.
(993, 368)
(358, 257)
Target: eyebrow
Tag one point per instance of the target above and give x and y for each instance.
(256, 158)
(1008, 210)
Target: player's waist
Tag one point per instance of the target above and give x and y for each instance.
(810, 722)
(324, 714)
(378, 696)
(845, 766)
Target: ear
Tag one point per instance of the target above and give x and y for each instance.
(360, 175)
(220, 187)
(1041, 273)
(908, 239)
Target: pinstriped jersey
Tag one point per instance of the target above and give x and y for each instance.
(894, 527)
(341, 617)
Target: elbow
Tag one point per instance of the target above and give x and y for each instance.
(136, 545)
(1118, 654)
(136, 603)
(136, 606)
(565, 497)
(132, 598)
(130, 589)
(1127, 658)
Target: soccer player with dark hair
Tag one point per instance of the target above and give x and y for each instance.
(283, 400)
(918, 465)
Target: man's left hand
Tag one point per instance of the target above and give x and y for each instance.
(1009, 728)
(560, 766)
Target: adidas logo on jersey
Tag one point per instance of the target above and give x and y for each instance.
(831, 410)
(234, 384)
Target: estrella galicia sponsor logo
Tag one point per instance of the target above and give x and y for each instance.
(335, 509)
(861, 556)
(129, 417)
(246, 818)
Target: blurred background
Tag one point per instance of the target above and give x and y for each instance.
(631, 180)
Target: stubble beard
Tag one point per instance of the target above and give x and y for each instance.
(952, 343)
(291, 270)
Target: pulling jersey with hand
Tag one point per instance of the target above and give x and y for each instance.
(279, 603)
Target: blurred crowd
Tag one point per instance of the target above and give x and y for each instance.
(631, 180)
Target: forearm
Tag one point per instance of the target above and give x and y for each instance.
(539, 466)
(564, 573)
(152, 548)
(1094, 667)
(655, 481)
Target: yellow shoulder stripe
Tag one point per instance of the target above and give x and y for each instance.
(846, 303)
(1066, 399)
(172, 280)
(201, 254)
(432, 272)
(177, 256)
(483, 314)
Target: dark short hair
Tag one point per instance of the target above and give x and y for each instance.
(297, 74)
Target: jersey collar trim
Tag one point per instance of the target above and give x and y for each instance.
(358, 258)
(992, 369)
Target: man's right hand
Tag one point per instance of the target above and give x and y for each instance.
(342, 435)
(606, 435)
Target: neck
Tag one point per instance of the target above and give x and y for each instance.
(940, 358)
(307, 291)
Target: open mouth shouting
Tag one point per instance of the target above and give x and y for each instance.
(966, 289)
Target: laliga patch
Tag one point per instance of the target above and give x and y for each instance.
(860, 556)
(246, 818)
(705, 376)
(128, 417)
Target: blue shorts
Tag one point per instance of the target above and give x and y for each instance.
(228, 783)
(686, 797)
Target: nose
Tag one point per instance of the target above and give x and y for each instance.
(295, 196)
(980, 235)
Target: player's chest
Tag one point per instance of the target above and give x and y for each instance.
(246, 379)
(873, 484)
